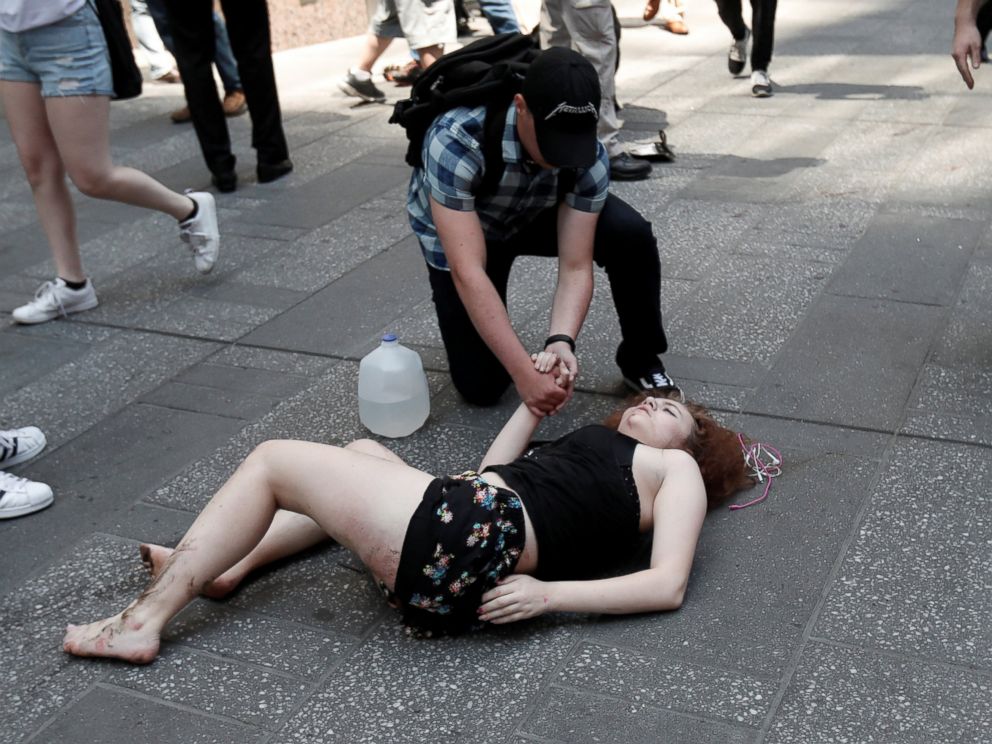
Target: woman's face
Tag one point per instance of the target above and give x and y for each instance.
(658, 422)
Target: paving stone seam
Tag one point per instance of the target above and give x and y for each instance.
(949, 666)
(234, 661)
(151, 404)
(172, 704)
(319, 682)
(693, 715)
(281, 619)
(675, 656)
(48, 722)
(790, 669)
(897, 431)
(894, 300)
(537, 698)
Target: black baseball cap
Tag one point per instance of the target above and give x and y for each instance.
(561, 89)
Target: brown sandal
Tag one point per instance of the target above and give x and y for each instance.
(651, 9)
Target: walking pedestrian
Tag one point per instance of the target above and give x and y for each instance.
(193, 34)
(56, 87)
(761, 38)
(428, 26)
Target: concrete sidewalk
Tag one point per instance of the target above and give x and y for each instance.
(827, 288)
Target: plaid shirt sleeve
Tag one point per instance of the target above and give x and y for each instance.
(592, 185)
(453, 166)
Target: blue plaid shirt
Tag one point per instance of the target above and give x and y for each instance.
(453, 170)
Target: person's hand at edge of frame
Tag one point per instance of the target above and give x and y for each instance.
(967, 45)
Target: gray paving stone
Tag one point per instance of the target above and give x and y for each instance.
(329, 252)
(726, 318)
(250, 294)
(579, 718)
(97, 576)
(67, 401)
(915, 580)
(341, 601)
(274, 361)
(479, 686)
(310, 208)
(246, 694)
(964, 343)
(907, 258)
(112, 716)
(841, 694)
(274, 384)
(245, 637)
(951, 404)
(384, 288)
(643, 679)
(25, 358)
(850, 361)
(108, 468)
(234, 404)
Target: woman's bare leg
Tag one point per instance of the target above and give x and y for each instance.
(25, 111)
(81, 128)
(288, 534)
(362, 502)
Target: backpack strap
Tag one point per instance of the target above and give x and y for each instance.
(492, 148)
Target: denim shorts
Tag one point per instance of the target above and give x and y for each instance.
(67, 58)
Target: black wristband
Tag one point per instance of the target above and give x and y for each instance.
(560, 337)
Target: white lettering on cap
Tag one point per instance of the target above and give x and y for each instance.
(565, 108)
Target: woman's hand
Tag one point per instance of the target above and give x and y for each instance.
(517, 597)
(544, 361)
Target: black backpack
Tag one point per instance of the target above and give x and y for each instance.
(486, 72)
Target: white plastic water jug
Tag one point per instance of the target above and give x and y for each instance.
(393, 400)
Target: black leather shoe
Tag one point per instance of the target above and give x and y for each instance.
(623, 167)
(225, 182)
(268, 172)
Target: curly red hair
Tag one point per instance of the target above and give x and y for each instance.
(714, 447)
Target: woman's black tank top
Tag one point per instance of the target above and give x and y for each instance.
(580, 495)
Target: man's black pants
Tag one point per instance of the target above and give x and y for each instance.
(191, 23)
(624, 247)
(762, 27)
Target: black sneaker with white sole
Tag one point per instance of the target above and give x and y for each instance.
(364, 89)
(651, 380)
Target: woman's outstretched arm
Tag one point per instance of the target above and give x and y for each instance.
(512, 438)
(679, 509)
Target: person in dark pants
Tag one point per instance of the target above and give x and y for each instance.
(763, 28)
(470, 236)
(191, 24)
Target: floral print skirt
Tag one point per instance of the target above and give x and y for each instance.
(464, 537)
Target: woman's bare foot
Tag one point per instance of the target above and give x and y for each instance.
(155, 556)
(117, 637)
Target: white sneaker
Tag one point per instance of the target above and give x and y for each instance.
(20, 445)
(737, 56)
(53, 299)
(19, 496)
(200, 232)
(761, 84)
